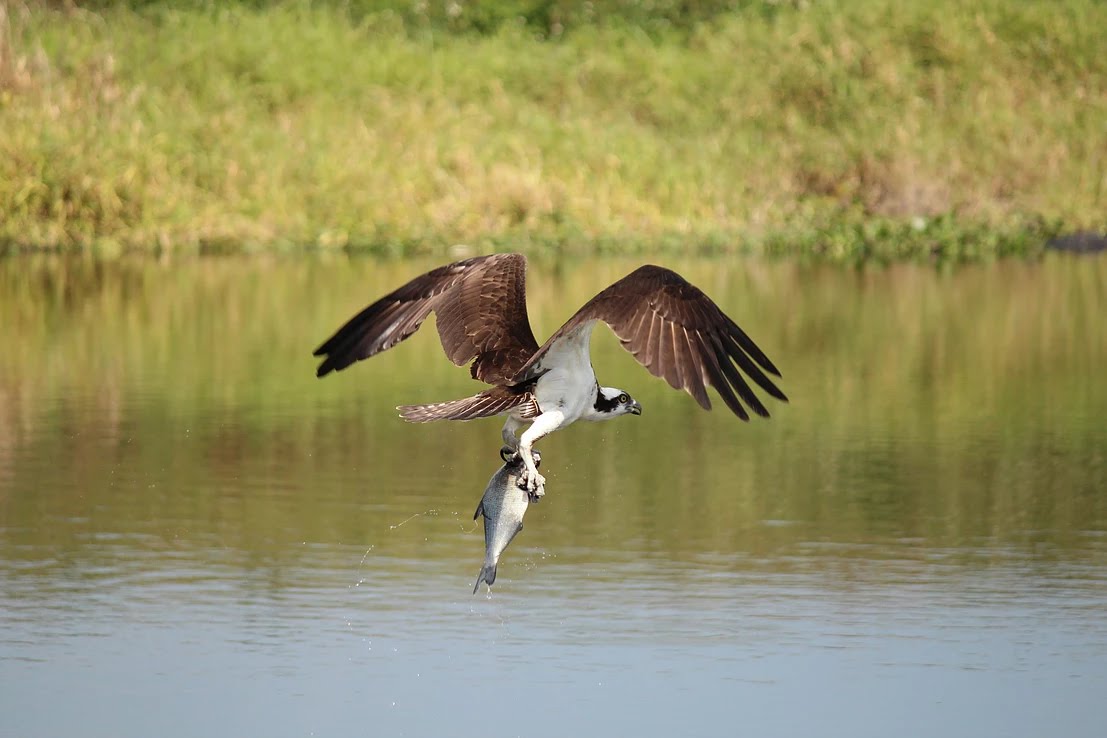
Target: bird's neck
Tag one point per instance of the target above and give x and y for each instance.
(600, 407)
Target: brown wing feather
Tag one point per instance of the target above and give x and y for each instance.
(488, 403)
(674, 330)
(482, 317)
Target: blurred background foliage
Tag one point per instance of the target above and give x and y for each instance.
(543, 18)
(840, 130)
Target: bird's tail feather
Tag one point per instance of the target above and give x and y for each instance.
(491, 402)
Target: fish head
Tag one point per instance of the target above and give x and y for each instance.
(511, 457)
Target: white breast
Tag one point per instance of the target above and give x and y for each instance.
(569, 383)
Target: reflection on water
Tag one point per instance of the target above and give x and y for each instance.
(199, 537)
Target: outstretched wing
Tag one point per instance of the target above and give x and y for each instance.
(481, 312)
(674, 330)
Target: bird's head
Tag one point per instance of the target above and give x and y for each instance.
(612, 402)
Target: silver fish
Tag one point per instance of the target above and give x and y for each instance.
(503, 506)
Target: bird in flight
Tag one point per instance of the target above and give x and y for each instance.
(668, 324)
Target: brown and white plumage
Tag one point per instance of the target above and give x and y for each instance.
(674, 330)
(482, 317)
(669, 325)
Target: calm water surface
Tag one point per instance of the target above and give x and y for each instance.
(198, 538)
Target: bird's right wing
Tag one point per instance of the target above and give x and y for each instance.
(481, 314)
(679, 334)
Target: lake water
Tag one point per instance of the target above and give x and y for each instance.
(199, 538)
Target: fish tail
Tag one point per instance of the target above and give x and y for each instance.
(487, 575)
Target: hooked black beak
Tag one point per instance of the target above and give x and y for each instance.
(635, 408)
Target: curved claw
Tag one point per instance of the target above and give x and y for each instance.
(531, 483)
(536, 495)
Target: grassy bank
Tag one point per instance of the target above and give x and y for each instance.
(842, 129)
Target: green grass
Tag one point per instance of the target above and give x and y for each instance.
(842, 130)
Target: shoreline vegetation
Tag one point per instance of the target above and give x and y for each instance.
(844, 131)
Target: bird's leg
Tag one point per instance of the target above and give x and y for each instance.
(544, 424)
(510, 433)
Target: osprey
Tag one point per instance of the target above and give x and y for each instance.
(669, 325)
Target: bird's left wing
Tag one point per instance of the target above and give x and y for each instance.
(674, 330)
(482, 317)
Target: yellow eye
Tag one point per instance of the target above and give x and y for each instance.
(624, 398)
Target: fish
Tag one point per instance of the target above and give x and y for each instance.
(503, 506)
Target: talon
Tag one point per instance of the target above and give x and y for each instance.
(531, 483)
(507, 454)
